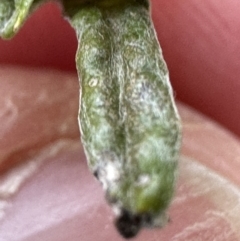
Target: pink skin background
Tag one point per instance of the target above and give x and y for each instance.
(201, 45)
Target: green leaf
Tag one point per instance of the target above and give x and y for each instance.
(13, 13)
(129, 124)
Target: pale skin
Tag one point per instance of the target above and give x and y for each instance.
(155, 10)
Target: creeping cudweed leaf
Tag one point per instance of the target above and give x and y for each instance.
(129, 124)
(12, 15)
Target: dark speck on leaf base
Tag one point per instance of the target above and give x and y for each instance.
(128, 225)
